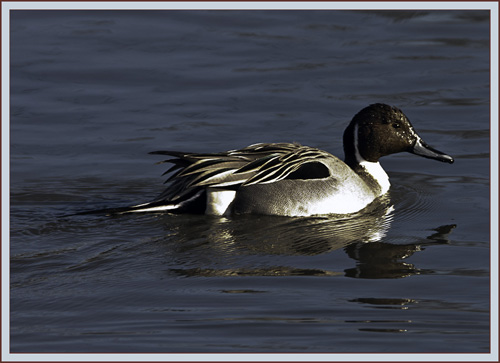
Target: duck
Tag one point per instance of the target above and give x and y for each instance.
(289, 179)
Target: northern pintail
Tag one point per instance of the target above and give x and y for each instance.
(289, 179)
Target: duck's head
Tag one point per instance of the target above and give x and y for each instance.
(380, 130)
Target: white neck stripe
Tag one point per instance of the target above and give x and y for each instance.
(372, 168)
(359, 158)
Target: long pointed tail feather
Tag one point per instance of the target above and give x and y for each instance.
(139, 208)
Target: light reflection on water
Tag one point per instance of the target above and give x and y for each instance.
(361, 236)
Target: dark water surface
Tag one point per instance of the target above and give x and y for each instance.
(93, 91)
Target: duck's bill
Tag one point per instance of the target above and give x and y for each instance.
(422, 149)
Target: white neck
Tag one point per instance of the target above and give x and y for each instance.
(372, 168)
(377, 173)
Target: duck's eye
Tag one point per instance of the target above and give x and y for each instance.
(396, 125)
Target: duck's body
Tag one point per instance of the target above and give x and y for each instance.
(341, 192)
(273, 179)
(291, 179)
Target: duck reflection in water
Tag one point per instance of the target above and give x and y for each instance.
(384, 260)
(361, 236)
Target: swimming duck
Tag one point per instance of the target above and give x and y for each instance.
(289, 179)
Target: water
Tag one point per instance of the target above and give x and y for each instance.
(93, 91)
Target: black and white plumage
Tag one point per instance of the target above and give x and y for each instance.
(217, 176)
(287, 178)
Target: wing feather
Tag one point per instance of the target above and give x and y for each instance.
(255, 164)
